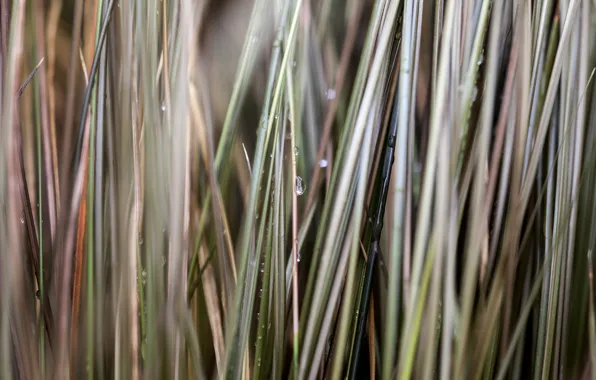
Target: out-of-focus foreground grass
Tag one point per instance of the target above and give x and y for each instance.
(272, 189)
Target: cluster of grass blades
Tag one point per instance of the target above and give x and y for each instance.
(297, 189)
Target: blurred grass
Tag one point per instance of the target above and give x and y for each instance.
(276, 189)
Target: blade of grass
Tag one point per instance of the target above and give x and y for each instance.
(591, 314)
(295, 193)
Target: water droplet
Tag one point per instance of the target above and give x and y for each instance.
(480, 59)
(331, 94)
(300, 186)
(474, 94)
(299, 257)
(22, 219)
(163, 107)
(144, 273)
(296, 151)
(262, 267)
(276, 116)
(323, 163)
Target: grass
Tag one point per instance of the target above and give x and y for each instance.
(297, 189)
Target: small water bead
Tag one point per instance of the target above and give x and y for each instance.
(262, 267)
(300, 186)
(331, 94)
(323, 163)
(481, 59)
(296, 151)
(22, 219)
(299, 257)
(474, 94)
(163, 107)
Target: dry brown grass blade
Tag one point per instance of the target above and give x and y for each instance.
(212, 300)
(44, 118)
(65, 161)
(65, 248)
(206, 273)
(89, 28)
(204, 138)
(78, 275)
(53, 20)
(79, 252)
